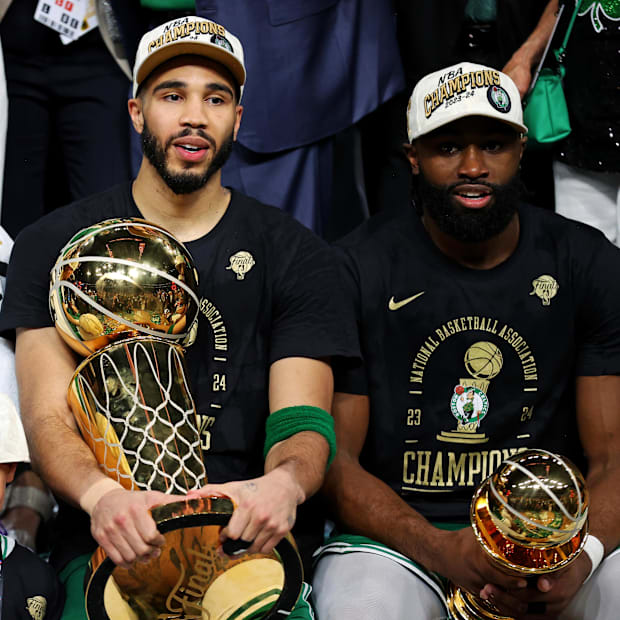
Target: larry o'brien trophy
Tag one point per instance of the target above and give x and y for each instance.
(530, 516)
(124, 292)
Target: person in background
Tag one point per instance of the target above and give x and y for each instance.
(29, 587)
(68, 132)
(27, 505)
(586, 165)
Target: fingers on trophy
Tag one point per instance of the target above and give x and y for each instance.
(124, 292)
(531, 518)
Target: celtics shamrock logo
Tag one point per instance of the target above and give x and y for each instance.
(469, 405)
(609, 8)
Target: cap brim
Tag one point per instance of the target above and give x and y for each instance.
(516, 126)
(207, 50)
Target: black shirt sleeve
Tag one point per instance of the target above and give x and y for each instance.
(349, 374)
(310, 318)
(599, 309)
(25, 303)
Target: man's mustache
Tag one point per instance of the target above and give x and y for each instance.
(197, 132)
(450, 188)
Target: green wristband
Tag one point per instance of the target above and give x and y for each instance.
(169, 5)
(284, 423)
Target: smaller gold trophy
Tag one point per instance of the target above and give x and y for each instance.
(530, 516)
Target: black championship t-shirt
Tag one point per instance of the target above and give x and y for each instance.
(287, 304)
(466, 367)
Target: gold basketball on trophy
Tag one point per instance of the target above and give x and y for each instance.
(531, 517)
(89, 326)
(122, 278)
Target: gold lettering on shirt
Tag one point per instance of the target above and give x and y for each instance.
(220, 335)
(463, 324)
(425, 470)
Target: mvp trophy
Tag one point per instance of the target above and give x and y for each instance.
(124, 292)
(530, 516)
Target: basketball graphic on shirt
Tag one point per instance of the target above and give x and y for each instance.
(483, 360)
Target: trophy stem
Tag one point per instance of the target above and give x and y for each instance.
(466, 606)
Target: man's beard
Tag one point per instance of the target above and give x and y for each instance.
(183, 182)
(464, 224)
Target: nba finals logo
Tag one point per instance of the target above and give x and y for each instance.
(36, 607)
(469, 403)
(545, 288)
(241, 263)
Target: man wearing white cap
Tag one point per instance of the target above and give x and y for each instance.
(28, 586)
(269, 321)
(487, 327)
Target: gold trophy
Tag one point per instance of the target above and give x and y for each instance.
(124, 292)
(530, 517)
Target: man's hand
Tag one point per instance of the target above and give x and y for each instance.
(265, 508)
(546, 597)
(462, 560)
(521, 74)
(122, 524)
(522, 62)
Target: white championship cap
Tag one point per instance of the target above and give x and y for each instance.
(188, 35)
(465, 89)
(13, 446)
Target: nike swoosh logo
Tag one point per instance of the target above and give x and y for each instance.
(395, 305)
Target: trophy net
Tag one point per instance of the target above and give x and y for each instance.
(135, 411)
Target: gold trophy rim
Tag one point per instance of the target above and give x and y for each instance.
(124, 341)
(211, 511)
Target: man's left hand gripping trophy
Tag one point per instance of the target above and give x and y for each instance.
(124, 293)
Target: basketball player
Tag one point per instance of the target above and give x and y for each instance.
(269, 316)
(487, 327)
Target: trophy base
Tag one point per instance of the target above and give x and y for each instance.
(466, 606)
(192, 578)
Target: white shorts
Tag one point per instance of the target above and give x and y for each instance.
(359, 579)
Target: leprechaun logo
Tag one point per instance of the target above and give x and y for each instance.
(597, 8)
(469, 403)
(499, 99)
(222, 42)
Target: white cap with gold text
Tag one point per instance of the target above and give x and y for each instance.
(465, 89)
(188, 35)
(13, 447)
